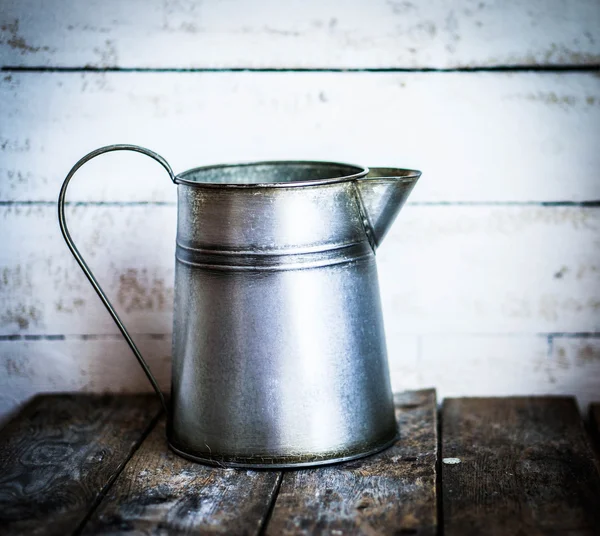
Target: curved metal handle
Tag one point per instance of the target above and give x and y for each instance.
(86, 270)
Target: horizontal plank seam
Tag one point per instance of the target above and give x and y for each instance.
(113, 478)
(165, 336)
(588, 204)
(492, 68)
(550, 347)
(265, 522)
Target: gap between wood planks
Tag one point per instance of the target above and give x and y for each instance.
(439, 489)
(114, 477)
(262, 530)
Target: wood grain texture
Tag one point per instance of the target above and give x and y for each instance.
(393, 492)
(61, 454)
(162, 493)
(477, 137)
(296, 34)
(450, 269)
(517, 466)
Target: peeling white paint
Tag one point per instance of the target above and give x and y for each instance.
(300, 33)
(477, 137)
(447, 270)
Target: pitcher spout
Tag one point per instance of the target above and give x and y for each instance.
(382, 193)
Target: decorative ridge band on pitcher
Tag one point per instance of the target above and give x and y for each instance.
(272, 260)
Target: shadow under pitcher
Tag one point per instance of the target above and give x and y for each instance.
(279, 356)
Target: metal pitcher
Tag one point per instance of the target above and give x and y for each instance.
(279, 356)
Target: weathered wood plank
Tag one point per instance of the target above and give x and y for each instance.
(490, 137)
(393, 492)
(406, 34)
(517, 466)
(60, 455)
(159, 492)
(518, 280)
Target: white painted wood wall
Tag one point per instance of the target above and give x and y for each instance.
(491, 275)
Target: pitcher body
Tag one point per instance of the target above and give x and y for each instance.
(279, 354)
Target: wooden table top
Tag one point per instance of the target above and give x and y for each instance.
(88, 464)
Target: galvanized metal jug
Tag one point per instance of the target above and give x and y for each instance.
(279, 356)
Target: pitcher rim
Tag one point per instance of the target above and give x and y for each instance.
(361, 172)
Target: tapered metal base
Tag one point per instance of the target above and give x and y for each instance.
(280, 462)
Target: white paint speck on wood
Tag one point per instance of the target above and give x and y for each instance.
(299, 33)
(484, 137)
